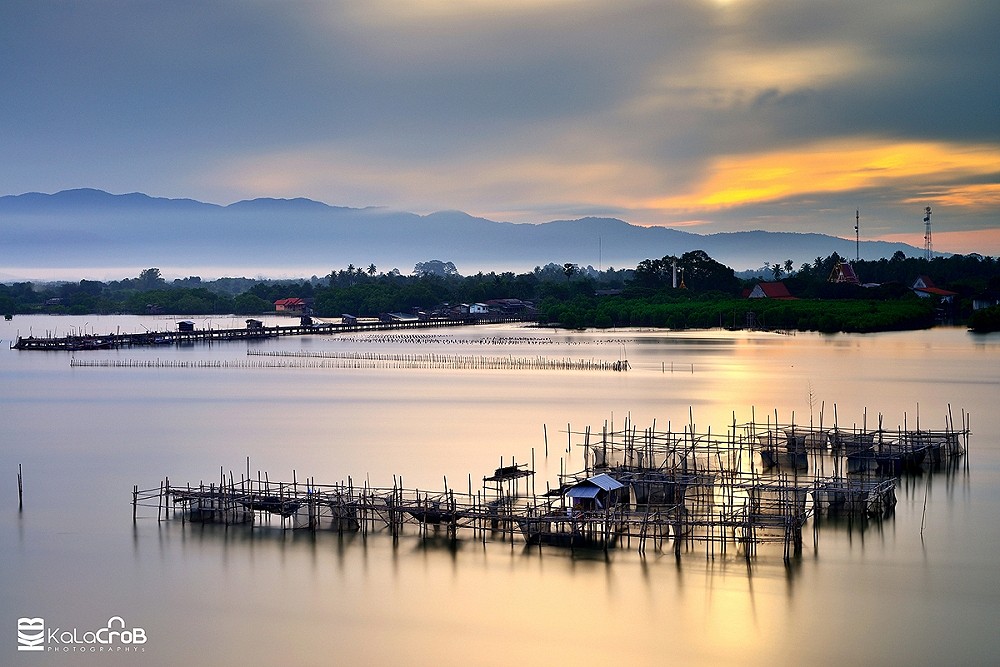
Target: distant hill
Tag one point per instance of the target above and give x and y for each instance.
(93, 229)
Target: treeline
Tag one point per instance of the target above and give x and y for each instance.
(707, 293)
(967, 275)
(356, 291)
(849, 315)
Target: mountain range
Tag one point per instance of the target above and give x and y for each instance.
(100, 233)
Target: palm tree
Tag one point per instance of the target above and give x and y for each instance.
(371, 269)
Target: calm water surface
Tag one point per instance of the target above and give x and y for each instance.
(862, 594)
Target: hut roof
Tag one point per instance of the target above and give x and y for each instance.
(775, 290)
(602, 482)
(923, 284)
(843, 272)
(583, 491)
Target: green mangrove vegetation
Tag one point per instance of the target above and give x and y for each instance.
(677, 292)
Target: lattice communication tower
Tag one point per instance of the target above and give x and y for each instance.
(928, 246)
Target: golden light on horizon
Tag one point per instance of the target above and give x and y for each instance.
(983, 241)
(549, 182)
(978, 195)
(841, 166)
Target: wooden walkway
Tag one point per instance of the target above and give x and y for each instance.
(150, 338)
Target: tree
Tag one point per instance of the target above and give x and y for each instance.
(251, 304)
(150, 279)
(435, 267)
(372, 269)
(704, 274)
(570, 269)
(650, 273)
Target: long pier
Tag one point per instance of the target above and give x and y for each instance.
(151, 338)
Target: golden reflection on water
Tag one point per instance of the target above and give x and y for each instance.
(238, 596)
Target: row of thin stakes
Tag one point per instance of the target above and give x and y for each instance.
(364, 360)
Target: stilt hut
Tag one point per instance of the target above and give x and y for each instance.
(597, 493)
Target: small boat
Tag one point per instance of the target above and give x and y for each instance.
(896, 458)
(273, 504)
(568, 529)
(861, 460)
(208, 509)
(431, 512)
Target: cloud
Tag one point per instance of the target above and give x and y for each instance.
(722, 113)
(844, 165)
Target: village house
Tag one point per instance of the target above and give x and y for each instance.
(770, 290)
(987, 299)
(290, 305)
(510, 306)
(925, 288)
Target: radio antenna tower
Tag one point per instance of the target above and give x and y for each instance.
(928, 246)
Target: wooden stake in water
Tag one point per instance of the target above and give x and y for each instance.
(20, 489)
(923, 514)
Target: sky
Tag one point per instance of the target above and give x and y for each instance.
(703, 115)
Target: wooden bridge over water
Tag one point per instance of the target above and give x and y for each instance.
(182, 337)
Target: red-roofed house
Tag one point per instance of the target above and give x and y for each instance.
(770, 291)
(925, 288)
(290, 305)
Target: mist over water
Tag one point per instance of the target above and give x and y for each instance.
(861, 592)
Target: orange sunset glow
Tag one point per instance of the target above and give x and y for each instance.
(843, 166)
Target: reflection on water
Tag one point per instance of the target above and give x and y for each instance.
(861, 590)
